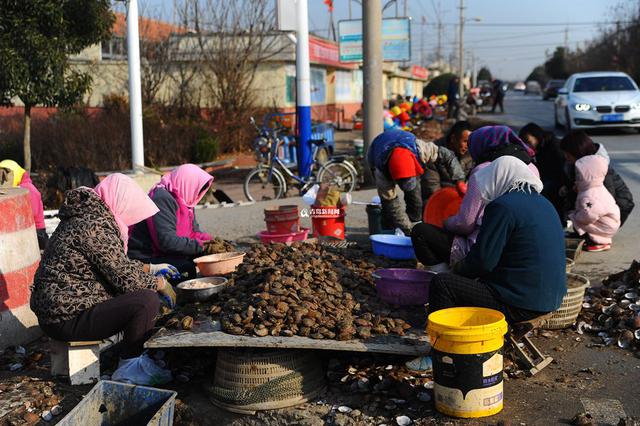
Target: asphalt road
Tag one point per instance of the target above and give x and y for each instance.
(624, 148)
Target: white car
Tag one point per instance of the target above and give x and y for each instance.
(598, 99)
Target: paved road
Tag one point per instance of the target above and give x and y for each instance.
(624, 148)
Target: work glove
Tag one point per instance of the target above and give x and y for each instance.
(164, 270)
(462, 188)
(167, 293)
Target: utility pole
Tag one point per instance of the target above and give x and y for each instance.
(439, 51)
(372, 64)
(566, 39)
(135, 95)
(461, 51)
(349, 1)
(406, 8)
(422, 36)
(303, 86)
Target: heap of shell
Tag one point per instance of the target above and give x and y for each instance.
(307, 291)
(612, 311)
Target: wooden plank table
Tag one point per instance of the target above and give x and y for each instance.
(207, 334)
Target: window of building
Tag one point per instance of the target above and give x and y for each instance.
(318, 85)
(343, 86)
(115, 48)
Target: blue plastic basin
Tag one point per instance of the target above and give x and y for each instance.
(392, 246)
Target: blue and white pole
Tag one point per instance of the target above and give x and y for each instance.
(303, 86)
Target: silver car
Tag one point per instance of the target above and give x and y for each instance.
(598, 99)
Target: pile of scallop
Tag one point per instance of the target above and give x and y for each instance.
(307, 290)
(612, 311)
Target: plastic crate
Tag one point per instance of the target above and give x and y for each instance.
(323, 131)
(111, 403)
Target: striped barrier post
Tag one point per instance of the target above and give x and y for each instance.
(19, 259)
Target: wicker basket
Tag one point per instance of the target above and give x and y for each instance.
(573, 248)
(568, 312)
(252, 380)
(570, 265)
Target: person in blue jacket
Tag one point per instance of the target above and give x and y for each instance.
(517, 265)
(398, 158)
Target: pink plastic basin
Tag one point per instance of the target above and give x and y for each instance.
(290, 237)
(398, 286)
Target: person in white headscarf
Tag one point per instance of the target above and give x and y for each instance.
(517, 265)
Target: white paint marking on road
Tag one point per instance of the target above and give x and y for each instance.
(623, 152)
(604, 411)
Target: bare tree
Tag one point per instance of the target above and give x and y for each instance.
(234, 38)
(155, 54)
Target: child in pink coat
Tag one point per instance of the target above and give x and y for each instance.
(596, 213)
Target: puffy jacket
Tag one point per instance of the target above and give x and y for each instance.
(385, 142)
(616, 187)
(596, 212)
(84, 263)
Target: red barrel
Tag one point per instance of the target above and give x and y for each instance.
(282, 219)
(328, 221)
(19, 259)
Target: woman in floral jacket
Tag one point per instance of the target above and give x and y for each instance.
(86, 288)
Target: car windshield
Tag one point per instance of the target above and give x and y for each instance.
(603, 84)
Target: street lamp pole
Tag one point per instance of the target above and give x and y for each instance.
(135, 94)
(372, 64)
(461, 51)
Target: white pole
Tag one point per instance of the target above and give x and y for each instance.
(135, 94)
(303, 81)
(461, 52)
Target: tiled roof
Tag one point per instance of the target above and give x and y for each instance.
(150, 29)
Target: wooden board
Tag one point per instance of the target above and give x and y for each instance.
(208, 334)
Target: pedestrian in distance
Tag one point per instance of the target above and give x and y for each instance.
(517, 265)
(498, 95)
(173, 235)
(22, 179)
(453, 106)
(596, 213)
(86, 288)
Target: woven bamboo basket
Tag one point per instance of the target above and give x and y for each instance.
(573, 248)
(571, 306)
(570, 265)
(252, 380)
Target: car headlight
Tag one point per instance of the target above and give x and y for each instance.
(582, 107)
(635, 106)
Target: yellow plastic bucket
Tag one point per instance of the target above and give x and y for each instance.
(467, 361)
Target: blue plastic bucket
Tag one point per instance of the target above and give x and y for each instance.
(396, 247)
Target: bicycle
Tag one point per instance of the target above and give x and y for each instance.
(271, 179)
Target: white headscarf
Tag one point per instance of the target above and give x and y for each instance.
(506, 174)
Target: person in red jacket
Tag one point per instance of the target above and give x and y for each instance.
(21, 179)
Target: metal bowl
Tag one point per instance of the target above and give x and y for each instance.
(200, 294)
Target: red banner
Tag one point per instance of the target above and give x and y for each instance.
(325, 52)
(419, 72)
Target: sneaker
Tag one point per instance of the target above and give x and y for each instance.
(597, 247)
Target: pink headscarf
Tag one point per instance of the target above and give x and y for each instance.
(186, 183)
(127, 201)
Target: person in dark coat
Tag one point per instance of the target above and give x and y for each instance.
(453, 107)
(498, 93)
(173, 235)
(549, 159)
(578, 144)
(457, 141)
(517, 265)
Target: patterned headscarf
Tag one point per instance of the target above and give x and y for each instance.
(491, 138)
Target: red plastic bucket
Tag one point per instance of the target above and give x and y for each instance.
(328, 221)
(442, 204)
(286, 238)
(282, 219)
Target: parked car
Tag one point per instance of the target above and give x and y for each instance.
(519, 86)
(598, 99)
(532, 87)
(551, 89)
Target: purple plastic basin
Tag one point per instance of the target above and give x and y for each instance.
(398, 286)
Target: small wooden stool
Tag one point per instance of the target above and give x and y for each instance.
(528, 354)
(79, 360)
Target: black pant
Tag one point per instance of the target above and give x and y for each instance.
(498, 101)
(431, 244)
(450, 290)
(134, 313)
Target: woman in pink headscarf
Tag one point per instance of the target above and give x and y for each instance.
(86, 288)
(173, 235)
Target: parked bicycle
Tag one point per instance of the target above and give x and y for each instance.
(272, 178)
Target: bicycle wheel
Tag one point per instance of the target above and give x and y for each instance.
(259, 186)
(340, 174)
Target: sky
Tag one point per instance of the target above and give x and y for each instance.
(510, 50)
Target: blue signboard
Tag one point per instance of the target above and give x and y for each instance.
(396, 40)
